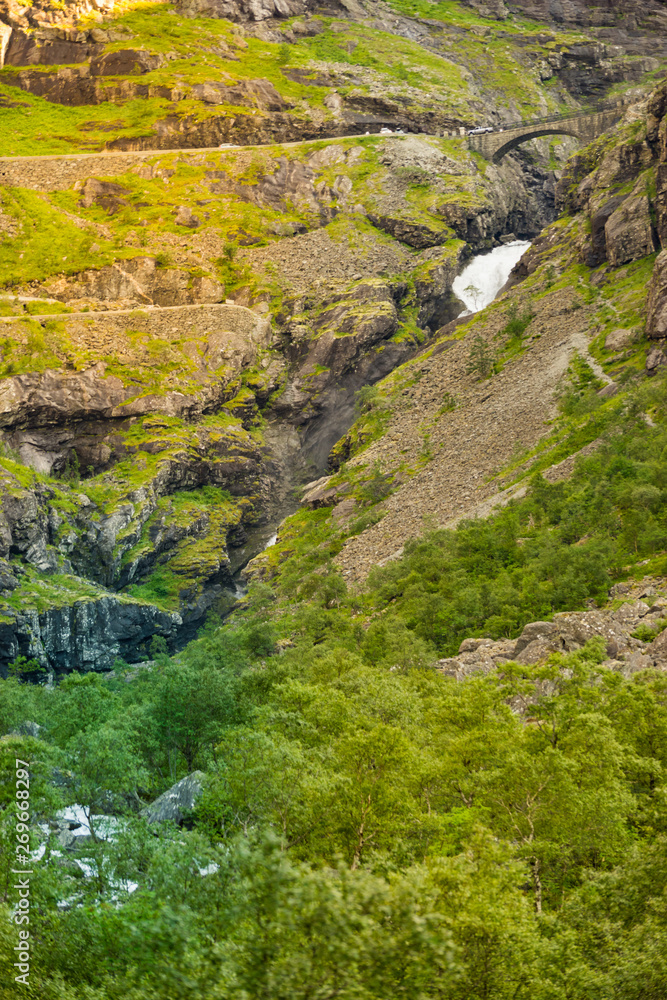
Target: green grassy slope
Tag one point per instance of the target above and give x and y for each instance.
(359, 60)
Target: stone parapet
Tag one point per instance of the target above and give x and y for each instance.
(586, 127)
(59, 173)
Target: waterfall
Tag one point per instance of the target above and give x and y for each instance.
(479, 282)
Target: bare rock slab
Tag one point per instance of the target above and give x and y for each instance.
(178, 800)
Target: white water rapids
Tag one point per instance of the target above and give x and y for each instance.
(479, 283)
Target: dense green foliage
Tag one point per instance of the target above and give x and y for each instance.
(370, 827)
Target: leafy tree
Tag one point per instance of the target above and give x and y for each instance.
(490, 921)
(83, 702)
(191, 706)
(19, 703)
(374, 801)
(263, 779)
(311, 935)
(19, 833)
(105, 770)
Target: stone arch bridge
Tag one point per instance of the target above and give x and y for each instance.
(584, 125)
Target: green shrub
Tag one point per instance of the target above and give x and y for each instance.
(481, 359)
(518, 320)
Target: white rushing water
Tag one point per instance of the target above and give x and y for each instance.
(479, 283)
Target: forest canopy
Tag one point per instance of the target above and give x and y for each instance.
(369, 826)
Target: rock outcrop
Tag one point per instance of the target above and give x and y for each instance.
(89, 634)
(68, 423)
(204, 350)
(179, 800)
(629, 231)
(620, 183)
(631, 14)
(242, 11)
(138, 281)
(644, 607)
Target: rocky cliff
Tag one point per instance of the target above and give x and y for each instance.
(184, 335)
(462, 427)
(626, 15)
(148, 425)
(635, 608)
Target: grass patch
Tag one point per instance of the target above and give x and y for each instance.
(48, 242)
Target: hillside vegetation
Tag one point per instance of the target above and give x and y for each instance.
(367, 823)
(422, 751)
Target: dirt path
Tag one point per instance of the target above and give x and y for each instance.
(111, 313)
(139, 153)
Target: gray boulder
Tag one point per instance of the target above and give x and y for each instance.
(619, 340)
(181, 798)
(629, 231)
(655, 359)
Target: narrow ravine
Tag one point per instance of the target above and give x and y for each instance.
(477, 286)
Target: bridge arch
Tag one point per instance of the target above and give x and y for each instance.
(533, 133)
(582, 125)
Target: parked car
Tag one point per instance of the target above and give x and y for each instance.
(386, 131)
(480, 130)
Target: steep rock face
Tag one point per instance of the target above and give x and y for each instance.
(656, 323)
(206, 348)
(187, 131)
(60, 534)
(114, 532)
(433, 289)
(611, 183)
(646, 13)
(621, 184)
(518, 198)
(93, 541)
(628, 232)
(103, 419)
(618, 188)
(347, 344)
(87, 635)
(626, 40)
